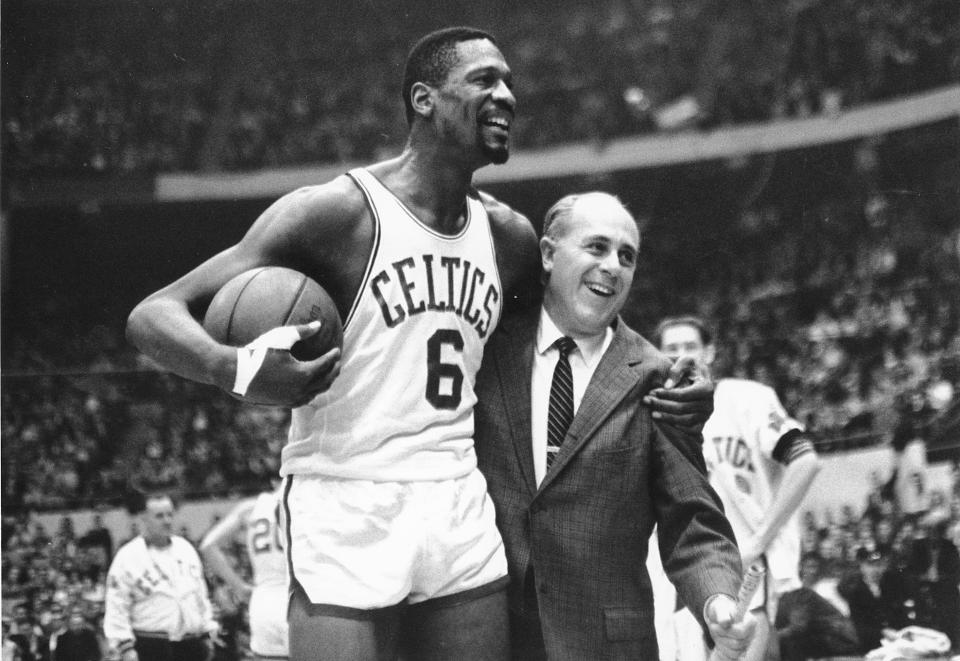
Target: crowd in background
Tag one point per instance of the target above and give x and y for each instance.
(55, 581)
(52, 576)
(234, 84)
(846, 302)
(892, 563)
(67, 443)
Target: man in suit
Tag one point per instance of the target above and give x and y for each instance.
(580, 471)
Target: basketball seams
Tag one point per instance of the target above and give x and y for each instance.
(295, 303)
(236, 303)
(264, 298)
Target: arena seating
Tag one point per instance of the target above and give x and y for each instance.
(238, 85)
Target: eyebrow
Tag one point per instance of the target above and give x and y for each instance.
(485, 69)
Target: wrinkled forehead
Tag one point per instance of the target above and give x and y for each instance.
(599, 213)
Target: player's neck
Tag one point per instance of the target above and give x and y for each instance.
(431, 186)
(158, 541)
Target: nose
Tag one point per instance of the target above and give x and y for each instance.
(503, 94)
(610, 262)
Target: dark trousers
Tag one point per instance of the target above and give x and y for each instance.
(158, 649)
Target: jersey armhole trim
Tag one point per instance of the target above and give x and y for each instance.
(375, 216)
(288, 527)
(493, 253)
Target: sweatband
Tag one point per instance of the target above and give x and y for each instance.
(250, 358)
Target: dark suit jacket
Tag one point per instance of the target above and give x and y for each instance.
(585, 531)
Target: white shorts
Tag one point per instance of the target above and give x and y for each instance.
(268, 620)
(365, 545)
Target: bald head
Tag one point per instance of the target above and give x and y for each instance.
(589, 256)
(557, 220)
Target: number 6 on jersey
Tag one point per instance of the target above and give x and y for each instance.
(437, 370)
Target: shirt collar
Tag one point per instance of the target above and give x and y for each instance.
(591, 348)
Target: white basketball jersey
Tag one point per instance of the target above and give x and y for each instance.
(268, 603)
(264, 546)
(738, 443)
(402, 407)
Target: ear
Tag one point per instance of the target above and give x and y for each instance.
(421, 98)
(547, 249)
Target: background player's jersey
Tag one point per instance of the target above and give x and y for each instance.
(738, 443)
(264, 543)
(268, 602)
(402, 407)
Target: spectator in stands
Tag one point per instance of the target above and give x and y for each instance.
(809, 626)
(883, 532)
(33, 645)
(879, 599)
(99, 537)
(935, 564)
(10, 650)
(77, 641)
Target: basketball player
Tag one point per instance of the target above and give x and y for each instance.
(258, 517)
(761, 463)
(404, 551)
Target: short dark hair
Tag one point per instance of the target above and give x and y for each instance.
(432, 57)
(137, 496)
(688, 320)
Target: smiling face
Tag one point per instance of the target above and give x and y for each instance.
(589, 256)
(474, 105)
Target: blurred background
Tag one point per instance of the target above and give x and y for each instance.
(795, 167)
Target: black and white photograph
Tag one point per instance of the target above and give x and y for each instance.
(436, 330)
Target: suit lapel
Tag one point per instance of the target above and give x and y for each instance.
(616, 374)
(514, 367)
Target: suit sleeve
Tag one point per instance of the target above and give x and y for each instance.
(697, 544)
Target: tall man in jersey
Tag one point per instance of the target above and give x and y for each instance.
(420, 265)
(762, 464)
(580, 471)
(266, 597)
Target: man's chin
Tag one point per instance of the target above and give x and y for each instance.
(497, 156)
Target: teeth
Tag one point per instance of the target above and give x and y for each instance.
(601, 289)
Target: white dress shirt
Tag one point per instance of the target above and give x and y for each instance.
(583, 362)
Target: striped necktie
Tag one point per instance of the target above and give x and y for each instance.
(560, 413)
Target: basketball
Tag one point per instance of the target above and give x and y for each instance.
(257, 300)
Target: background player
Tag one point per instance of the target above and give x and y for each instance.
(267, 597)
(157, 605)
(420, 266)
(761, 463)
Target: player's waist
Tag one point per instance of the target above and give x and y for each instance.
(171, 637)
(452, 462)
